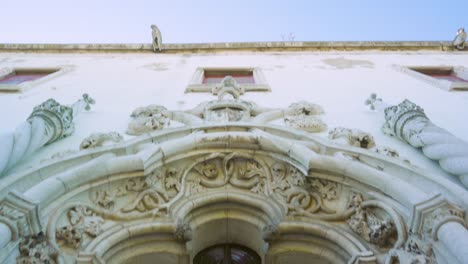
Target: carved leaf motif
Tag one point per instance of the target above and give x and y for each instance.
(371, 228)
(36, 249)
(83, 223)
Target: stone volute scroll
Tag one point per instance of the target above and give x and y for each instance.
(48, 122)
(408, 122)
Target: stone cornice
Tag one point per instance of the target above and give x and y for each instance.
(238, 46)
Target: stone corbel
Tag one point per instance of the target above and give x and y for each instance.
(20, 215)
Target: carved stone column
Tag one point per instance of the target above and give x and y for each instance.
(408, 122)
(437, 220)
(49, 122)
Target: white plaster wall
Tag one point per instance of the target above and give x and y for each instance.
(339, 81)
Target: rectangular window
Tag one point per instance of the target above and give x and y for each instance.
(19, 76)
(18, 79)
(445, 77)
(241, 77)
(205, 79)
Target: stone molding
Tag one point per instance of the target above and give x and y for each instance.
(428, 216)
(20, 214)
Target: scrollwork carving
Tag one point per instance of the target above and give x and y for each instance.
(152, 192)
(236, 170)
(302, 198)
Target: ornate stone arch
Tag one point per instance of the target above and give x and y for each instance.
(284, 187)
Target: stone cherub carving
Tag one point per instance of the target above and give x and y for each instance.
(157, 39)
(460, 38)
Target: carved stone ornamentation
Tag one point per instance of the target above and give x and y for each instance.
(35, 249)
(228, 86)
(152, 192)
(415, 251)
(48, 122)
(368, 225)
(301, 199)
(183, 232)
(389, 152)
(83, 223)
(404, 120)
(408, 122)
(460, 38)
(271, 233)
(227, 111)
(236, 170)
(305, 116)
(156, 38)
(354, 137)
(147, 119)
(373, 101)
(20, 215)
(98, 140)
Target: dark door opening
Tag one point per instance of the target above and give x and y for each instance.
(227, 254)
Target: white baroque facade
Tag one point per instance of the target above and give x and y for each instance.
(295, 170)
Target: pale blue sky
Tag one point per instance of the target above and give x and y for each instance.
(115, 21)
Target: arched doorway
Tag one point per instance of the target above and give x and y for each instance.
(227, 254)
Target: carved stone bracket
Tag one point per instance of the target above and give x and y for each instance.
(20, 215)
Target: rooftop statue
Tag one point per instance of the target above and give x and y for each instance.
(460, 38)
(157, 39)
